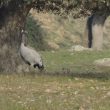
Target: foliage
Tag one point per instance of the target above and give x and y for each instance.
(35, 34)
(75, 7)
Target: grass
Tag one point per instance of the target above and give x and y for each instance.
(79, 86)
(55, 30)
(75, 62)
(53, 93)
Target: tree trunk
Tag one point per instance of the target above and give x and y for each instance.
(97, 31)
(89, 27)
(94, 30)
(87, 39)
(12, 20)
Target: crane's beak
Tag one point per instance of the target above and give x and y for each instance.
(41, 67)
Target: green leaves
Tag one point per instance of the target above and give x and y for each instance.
(64, 7)
(4, 2)
(28, 1)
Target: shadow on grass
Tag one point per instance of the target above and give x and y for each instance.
(36, 34)
(88, 75)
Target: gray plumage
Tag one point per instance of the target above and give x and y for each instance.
(29, 55)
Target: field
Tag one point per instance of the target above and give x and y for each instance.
(73, 63)
(70, 81)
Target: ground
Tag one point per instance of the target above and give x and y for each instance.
(70, 81)
(53, 93)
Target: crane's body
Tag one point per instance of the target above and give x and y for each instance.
(30, 55)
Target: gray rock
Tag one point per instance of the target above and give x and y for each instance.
(102, 62)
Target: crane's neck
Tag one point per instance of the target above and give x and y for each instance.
(24, 40)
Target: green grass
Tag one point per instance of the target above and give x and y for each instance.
(80, 85)
(76, 62)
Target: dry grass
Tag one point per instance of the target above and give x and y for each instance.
(66, 32)
(53, 93)
(63, 33)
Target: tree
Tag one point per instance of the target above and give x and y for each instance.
(95, 23)
(12, 19)
(13, 15)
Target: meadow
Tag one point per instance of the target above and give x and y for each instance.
(70, 81)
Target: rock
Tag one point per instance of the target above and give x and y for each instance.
(102, 62)
(78, 48)
(53, 45)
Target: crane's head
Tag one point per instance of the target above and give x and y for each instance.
(24, 34)
(39, 64)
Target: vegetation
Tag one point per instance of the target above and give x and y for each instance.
(74, 62)
(66, 91)
(35, 34)
(76, 7)
(70, 81)
(59, 33)
(53, 93)
(52, 32)
(13, 18)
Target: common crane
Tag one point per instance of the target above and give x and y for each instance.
(30, 55)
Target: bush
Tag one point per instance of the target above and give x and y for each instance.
(35, 34)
